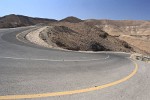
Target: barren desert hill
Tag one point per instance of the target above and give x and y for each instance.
(135, 33)
(70, 39)
(122, 27)
(12, 20)
(84, 37)
(71, 19)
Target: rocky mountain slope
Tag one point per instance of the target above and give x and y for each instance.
(122, 27)
(11, 21)
(86, 38)
(135, 33)
(71, 19)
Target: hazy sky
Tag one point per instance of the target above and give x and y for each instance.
(84, 9)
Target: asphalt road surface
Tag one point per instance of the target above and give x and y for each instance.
(28, 71)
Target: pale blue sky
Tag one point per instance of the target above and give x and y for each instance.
(84, 9)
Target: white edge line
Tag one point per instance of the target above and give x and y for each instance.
(62, 60)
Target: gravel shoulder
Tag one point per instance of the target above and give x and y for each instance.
(34, 37)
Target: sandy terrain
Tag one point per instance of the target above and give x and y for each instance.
(34, 38)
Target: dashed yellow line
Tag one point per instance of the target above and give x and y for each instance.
(10, 97)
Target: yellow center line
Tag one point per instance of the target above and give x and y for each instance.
(8, 97)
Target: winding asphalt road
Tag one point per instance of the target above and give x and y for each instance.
(28, 71)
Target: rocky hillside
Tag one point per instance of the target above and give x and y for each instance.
(87, 38)
(122, 27)
(135, 33)
(12, 20)
(71, 19)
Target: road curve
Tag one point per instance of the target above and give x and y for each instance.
(34, 72)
